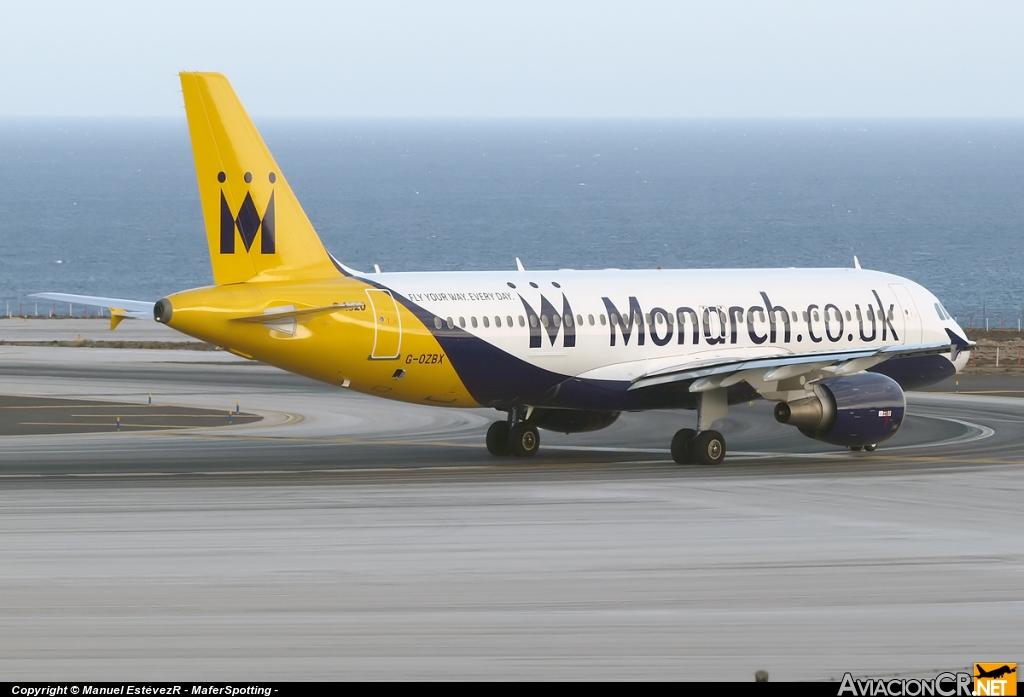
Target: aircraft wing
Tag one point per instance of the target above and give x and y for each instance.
(119, 308)
(708, 374)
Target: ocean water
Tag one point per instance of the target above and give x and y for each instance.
(108, 207)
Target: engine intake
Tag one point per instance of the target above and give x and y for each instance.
(848, 410)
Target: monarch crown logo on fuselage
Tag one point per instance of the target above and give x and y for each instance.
(248, 222)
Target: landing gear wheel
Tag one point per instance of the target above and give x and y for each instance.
(682, 446)
(523, 439)
(709, 448)
(497, 439)
(871, 448)
(855, 448)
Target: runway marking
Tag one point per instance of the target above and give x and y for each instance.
(518, 466)
(979, 392)
(147, 415)
(84, 423)
(981, 433)
(128, 405)
(349, 470)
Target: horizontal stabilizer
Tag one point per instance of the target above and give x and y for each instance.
(139, 309)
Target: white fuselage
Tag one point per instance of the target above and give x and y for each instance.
(615, 325)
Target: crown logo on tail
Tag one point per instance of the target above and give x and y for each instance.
(248, 222)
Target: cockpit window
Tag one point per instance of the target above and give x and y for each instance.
(942, 311)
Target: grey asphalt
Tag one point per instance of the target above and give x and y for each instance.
(344, 536)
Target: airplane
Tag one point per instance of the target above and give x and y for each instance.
(563, 350)
(996, 673)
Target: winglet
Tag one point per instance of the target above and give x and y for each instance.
(856, 262)
(519, 264)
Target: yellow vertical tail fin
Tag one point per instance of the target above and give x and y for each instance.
(254, 224)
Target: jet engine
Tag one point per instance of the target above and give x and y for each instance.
(571, 420)
(848, 410)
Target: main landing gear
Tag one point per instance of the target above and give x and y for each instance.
(703, 446)
(513, 437)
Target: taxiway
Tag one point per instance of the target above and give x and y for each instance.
(343, 536)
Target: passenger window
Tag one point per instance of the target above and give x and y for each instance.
(437, 322)
(555, 320)
(522, 323)
(462, 322)
(544, 320)
(497, 321)
(871, 313)
(760, 315)
(668, 318)
(815, 315)
(472, 321)
(590, 320)
(601, 317)
(661, 318)
(794, 315)
(508, 319)
(890, 313)
(487, 322)
(647, 318)
(579, 320)
(533, 321)
(568, 320)
(849, 318)
(613, 318)
(804, 315)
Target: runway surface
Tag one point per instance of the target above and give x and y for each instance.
(344, 536)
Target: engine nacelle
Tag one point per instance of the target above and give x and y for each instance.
(571, 420)
(848, 410)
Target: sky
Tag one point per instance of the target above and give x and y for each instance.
(516, 59)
